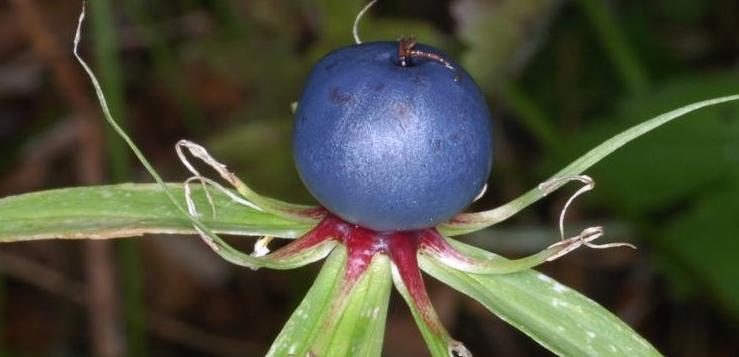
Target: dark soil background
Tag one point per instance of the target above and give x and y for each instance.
(561, 76)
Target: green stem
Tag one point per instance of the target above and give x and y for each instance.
(632, 73)
(106, 51)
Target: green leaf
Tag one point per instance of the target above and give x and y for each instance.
(128, 210)
(332, 321)
(361, 325)
(557, 317)
(676, 162)
(470, 222)
(300, 330)
(436, 337)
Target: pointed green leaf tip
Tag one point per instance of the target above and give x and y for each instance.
(471, 222)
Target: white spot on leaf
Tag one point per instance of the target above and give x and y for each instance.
(559, 287)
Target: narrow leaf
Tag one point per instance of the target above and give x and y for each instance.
(559, 318)
(358, 328)
(437, 340)
(128, 210)
(332, 321)
(299, 331)
(470, 222)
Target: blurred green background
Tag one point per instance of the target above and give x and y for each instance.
(561, 76)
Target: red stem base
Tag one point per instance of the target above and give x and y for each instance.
(363, 244)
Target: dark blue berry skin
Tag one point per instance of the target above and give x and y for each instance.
(388, 147)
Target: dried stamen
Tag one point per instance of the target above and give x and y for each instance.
(202, 154)
(556, 182)
(587, 235)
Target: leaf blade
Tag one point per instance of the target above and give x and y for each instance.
(470, 222)
(125, 210)
(298, 331)
(436, 341)
(360, 329)
(557, 317)
(352, 325)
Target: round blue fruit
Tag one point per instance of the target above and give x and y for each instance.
(392, 147)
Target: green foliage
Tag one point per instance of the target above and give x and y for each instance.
(681, 160)
(691, 164)
(436, 341)
(550, 313)
(126, 210)
(332, 322)
(470, 222)
(554, 315)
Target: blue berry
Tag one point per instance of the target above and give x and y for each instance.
(392, 143)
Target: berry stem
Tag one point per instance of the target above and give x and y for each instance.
(406, 52)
